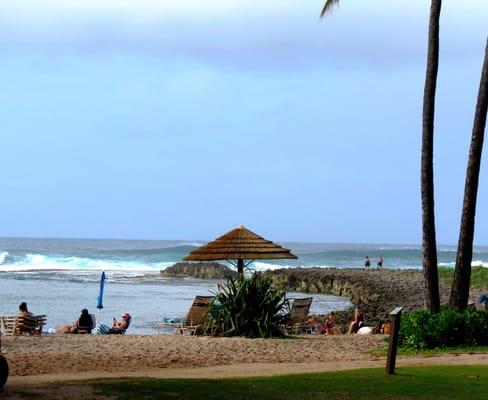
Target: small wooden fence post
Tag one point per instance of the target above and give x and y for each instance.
(392, 349)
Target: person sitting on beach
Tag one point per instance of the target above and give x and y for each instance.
(23, 311)
(23, 323)
(330, 326)
(312, 324)
(84, 324)
(358, 320)
(385, 328)
(122, 326)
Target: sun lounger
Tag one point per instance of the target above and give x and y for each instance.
(18, 325)
(197, 316)
(298, 315)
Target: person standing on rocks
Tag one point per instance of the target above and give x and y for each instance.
(367, 262)
(379, 262)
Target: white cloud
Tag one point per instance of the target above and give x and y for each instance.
(278, 33)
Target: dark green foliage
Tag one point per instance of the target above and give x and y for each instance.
(422, 330)
(248, 307)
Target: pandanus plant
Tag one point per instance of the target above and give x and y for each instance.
(250, 307)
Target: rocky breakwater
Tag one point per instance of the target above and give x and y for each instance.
(378, 291)
(200, 270)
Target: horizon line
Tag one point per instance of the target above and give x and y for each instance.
(206, 241)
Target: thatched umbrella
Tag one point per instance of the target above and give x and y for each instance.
(240, 247)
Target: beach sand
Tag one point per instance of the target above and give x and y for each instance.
(53, 354)
(54, 366)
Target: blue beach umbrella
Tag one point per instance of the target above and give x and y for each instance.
(100, 295)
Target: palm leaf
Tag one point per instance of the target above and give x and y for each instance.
(328, 6)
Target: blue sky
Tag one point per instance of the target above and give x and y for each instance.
(180, 120)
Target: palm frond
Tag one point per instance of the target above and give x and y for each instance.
(328, 6)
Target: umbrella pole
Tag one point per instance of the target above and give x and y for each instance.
(240, 268)
(98, 316)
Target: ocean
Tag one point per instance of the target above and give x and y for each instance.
(58, 277)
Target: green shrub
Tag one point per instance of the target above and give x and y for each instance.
(422, 330)
(248, 307)
(476, 331)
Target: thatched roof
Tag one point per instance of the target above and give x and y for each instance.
(239, 244)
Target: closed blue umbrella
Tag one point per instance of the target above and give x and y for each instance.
(100, 296)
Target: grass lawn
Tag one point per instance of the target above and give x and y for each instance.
(382, 352)
(449, 382)
(479, 276)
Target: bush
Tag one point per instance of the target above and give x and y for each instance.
(248, 307)
(422, 330)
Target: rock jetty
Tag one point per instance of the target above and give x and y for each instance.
(377, 291)
(200, 270)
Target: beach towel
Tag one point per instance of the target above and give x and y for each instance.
(101, 329)
(365, 330)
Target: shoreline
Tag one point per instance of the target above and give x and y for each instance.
(378, 292)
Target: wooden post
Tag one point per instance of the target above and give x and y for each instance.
(392, 349)
(240, 268)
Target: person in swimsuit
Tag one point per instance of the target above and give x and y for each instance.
(358, 320)
(84, 324)
(23, 311)
(367, 262)
(330, 326)
(22, 325)
(120, 327)
(379, 262)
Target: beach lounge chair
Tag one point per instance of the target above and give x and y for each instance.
(298, 315)
(197, 316)
(18, 325)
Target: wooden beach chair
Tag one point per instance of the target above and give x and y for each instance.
(298, 315)
(19, 325)
(197, 316)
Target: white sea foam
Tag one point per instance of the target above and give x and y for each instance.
(39, 262)
(449, 264)
(474, 263)
(193, 244)
(478, 263)
(3, 256)
(263, 266)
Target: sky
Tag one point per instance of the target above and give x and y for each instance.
(159, 119)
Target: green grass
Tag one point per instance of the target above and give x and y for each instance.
(479, 276)
(449, 382)
(383, 351)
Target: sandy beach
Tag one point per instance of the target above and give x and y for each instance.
(55, 366)
(56, 354)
